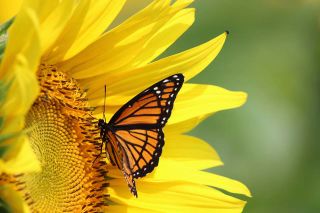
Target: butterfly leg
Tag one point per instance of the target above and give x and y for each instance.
(99, 153)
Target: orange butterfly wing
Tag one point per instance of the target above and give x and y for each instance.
(150, 108)
(136, 129)
(144, 146)
(118, 156)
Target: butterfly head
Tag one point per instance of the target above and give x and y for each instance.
(101, 123)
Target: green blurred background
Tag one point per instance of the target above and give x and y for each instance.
(272, 143)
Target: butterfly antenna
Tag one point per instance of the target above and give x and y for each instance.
(104, 103)
(93, 118)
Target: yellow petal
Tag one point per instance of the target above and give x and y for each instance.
(189, 62)
(174, 197)
(164, 38)
(209, 99)
(42, 10)
(87, 23)
(18, 69)
(172, 170)
(129, 209)
(190, 151)
(52, 15)
(13, 199)
(9, 9)
(175, 208)
(20, 158)
(134, 43)
(23, 38)
(22, 93)
(69, 34)
(184, 126)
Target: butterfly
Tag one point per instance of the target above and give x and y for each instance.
(133, 137)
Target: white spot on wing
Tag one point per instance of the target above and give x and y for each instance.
(155, 88)
(165, 80)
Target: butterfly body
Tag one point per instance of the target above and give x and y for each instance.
(133, 137)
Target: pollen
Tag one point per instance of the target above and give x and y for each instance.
(66, 142)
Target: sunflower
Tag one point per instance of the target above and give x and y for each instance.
(57, 60)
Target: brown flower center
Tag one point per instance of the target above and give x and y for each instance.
(66, 143)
